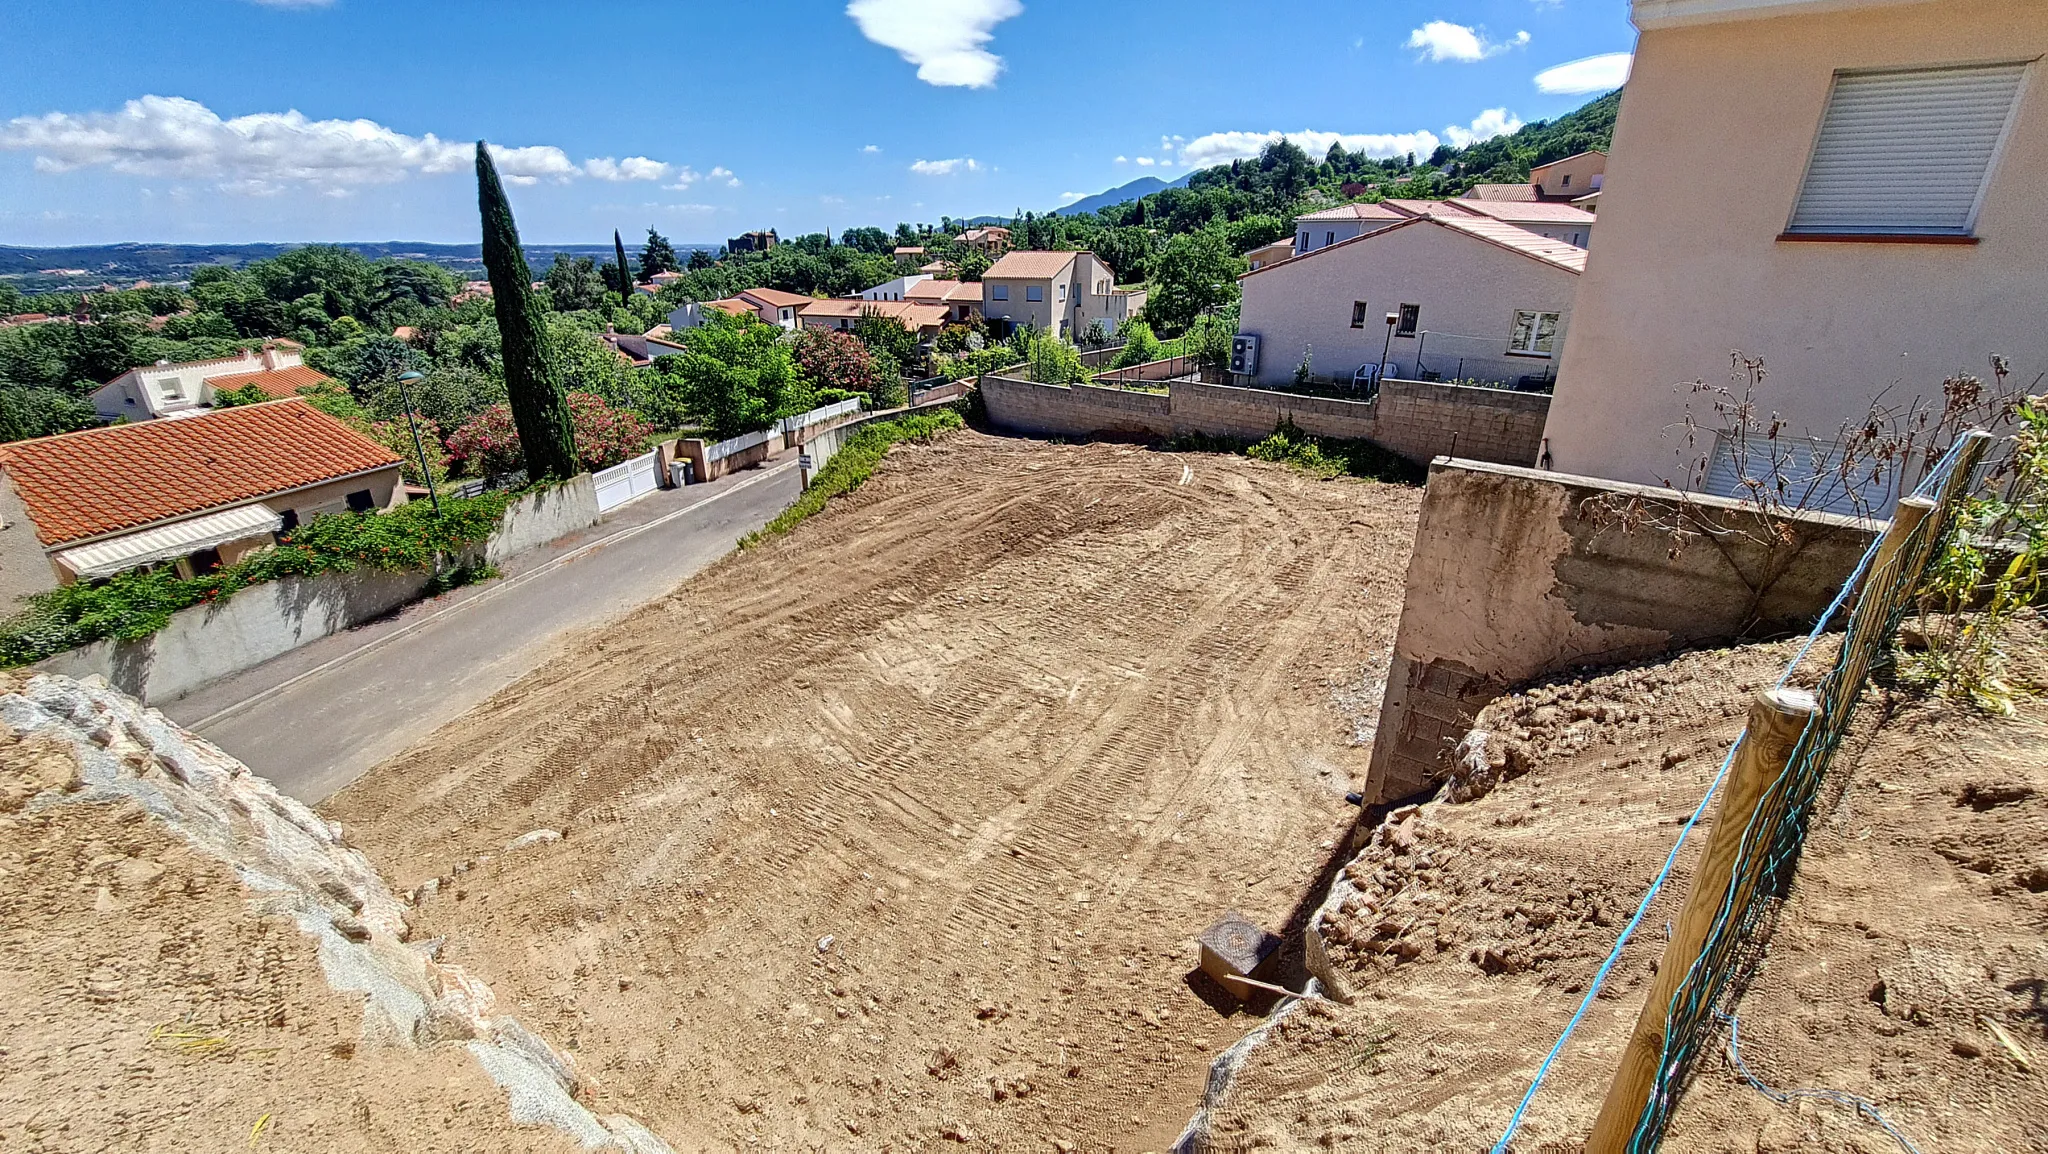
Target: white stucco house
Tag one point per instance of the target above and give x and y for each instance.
(1322, 229)
(1471, 299)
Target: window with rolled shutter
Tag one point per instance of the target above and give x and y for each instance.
(1907, 152)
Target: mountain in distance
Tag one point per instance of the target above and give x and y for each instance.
(1143, 186)
(75, 267)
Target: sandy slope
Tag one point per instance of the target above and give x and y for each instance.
(1008, 727)
(1918, 914)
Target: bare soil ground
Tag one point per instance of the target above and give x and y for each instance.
(145, 1005)
(1919, 915)
(894, 834)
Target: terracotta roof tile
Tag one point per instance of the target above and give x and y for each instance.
(1357, 210)
(124, 476)
(1029, 265)
(275, 383)
(1502, 192)
(1556, 253)
(775, 297)
(1525, 212)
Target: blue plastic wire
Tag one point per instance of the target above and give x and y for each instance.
(1785, 1097)
(1925, 487)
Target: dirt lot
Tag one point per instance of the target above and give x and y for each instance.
(1920, 913)
(895, 832)
(144, 1005)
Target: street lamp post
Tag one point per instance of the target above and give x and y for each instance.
(405, 381)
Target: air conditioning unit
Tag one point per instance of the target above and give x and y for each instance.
(1244, 354)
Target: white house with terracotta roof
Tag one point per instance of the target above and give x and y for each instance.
(1322, 229)
(894, 290)
(771, 306)
(1472, 299)
(844, 313)
(958, 298)
(1266, 254)
(187, 389)
(1062, 293)
(195, 493)
(1544, 218)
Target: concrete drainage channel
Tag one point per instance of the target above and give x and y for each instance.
(298, 865)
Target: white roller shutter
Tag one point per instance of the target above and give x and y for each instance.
(1800, 473)
(1907, 152)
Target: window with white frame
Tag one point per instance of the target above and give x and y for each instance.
(1907, 152)
(1534, 334)
(1063, 293)
(1304, 242)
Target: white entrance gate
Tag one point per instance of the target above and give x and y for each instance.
(621, 483)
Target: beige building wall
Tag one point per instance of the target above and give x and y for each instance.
(24, 568)
(1709, 155)
(1572, 177)
(1469, 291)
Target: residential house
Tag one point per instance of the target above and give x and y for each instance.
(908, 254)
(752, 242)
(642, 350)
(1471, 298)
(1279, 250)
(196, 493)
(1322, 229)
(1888, 235)
(771, 306)
(1062, 293)
(472, 290)
(665, 279)
(992, 240)
(1525, 193)
(960, 299)
(844, 313)
(187, 389)
(894, 290)
(1544, 218)
(1570, 178)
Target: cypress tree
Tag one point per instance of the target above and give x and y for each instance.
(625, 273)
(540, 409)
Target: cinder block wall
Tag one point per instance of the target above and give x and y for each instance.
(1516, 576)
(1415, 419)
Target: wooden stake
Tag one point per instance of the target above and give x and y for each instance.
(1892, 575)
(1776, 719)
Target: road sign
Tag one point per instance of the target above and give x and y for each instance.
(803, 460)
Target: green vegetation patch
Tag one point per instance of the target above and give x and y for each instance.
(853, 463)
(132, 606)
(1322, 456)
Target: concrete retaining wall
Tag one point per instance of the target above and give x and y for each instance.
(542, 516)
(1518, 574)
(205, 643)
(1418, 420)
(824, 444)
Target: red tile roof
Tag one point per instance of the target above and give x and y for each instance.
(103, 480)
(1539, 212)
(275, 383)
(1556, 253)
(1357, 210)
(1030, 264)
(1502, 192)
(775, 297)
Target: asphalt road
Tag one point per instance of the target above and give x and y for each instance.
(317, 718)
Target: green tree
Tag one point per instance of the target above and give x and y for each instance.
(1197, 271)
(700, 260)
(893, 346)
(574, 285)
(737, 376)
(658, 256)
(625, 271)
(540, 409)
(1140, 346)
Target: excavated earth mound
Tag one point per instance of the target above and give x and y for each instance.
(894, 833)
(189, 961)
(1468, 928)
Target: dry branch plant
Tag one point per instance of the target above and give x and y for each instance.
(1778, 474)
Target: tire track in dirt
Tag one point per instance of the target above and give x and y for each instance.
(1009, 724)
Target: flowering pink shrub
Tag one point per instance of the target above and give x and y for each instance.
(832, 359)
(605, 436)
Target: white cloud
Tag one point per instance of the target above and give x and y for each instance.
(944, 38)
(1071, 197)
(265, 153)
(1487, 125)
(1145, 162)
(1593, 74)
(1223, 147)
(1123, 160)
(872, 148)
(631, 168)
(1441, 40)
(945, 167)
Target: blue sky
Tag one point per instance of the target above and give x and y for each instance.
(301, 120)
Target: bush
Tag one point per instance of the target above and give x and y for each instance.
(1322, 456)
(1140, 346)
(1055, 362)
(853, 464)
(837, 362)
(605, 436)
(132, 606)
